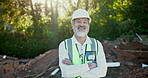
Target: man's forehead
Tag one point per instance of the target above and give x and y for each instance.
(81, 19)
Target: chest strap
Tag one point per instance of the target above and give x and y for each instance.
(68, 46)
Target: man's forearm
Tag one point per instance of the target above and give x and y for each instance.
(68, 62)
(70, 70)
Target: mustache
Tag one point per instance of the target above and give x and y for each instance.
(81, 27)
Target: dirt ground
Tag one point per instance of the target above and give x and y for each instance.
(131, 57)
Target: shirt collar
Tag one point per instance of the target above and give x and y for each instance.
(75, 41)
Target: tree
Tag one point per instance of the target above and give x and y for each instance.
(54, 14)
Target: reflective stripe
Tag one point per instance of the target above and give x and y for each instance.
(96, 42)
(93, 47)
(69, 42)
(74, 54)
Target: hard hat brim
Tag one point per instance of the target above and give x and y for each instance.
(81, 17)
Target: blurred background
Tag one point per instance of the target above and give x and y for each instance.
(31, 27)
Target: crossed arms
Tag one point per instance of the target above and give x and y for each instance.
(91, 70)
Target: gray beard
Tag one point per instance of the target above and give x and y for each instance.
(80, 34)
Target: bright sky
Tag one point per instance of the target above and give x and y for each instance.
(61, 10)
(43, 1)
(62, 1)
(38, 1)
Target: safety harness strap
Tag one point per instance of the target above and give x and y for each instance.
(69, 47)
(93, 47)
(69, 42)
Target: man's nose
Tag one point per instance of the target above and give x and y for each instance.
(81, 24)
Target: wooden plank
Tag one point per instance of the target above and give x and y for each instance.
(140, 51)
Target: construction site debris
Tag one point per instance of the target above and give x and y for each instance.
(131, 56)
(134, 46)
(136, 73)
(38, 65)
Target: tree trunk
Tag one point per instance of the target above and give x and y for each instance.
(35, 21)
(54, 22)
(54, 15)
(86, 4)
(32, 12)
(78, 3)
(46, 12)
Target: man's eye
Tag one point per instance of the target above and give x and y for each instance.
(85, 22)
(78, 21)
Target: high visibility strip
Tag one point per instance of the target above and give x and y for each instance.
(93, 47)
(69, 42)
(77, 59)
(71, 48)
(88, 47)
(65, 42)
(96, 47)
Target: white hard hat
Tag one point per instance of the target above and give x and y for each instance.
(80, 13)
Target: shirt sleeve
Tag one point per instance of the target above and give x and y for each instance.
(70, 70)
(101, 69)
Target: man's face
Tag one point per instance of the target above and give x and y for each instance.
(81, 27)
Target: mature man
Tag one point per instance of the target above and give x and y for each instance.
(81, 56)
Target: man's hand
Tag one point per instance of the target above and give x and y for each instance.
(92, 65)
(66, 61)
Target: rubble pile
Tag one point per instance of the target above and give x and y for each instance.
(6, 69)
(115, 54)
(136, 73)
(7, 64)
(134, 46)
(135, 69)
(130, 56)
(137, 49)
(37, 65)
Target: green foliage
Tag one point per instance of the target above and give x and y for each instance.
(138, 11)
(15, 19)
(65, 29)
(26, 32)
(114, 18)
(16, 45)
